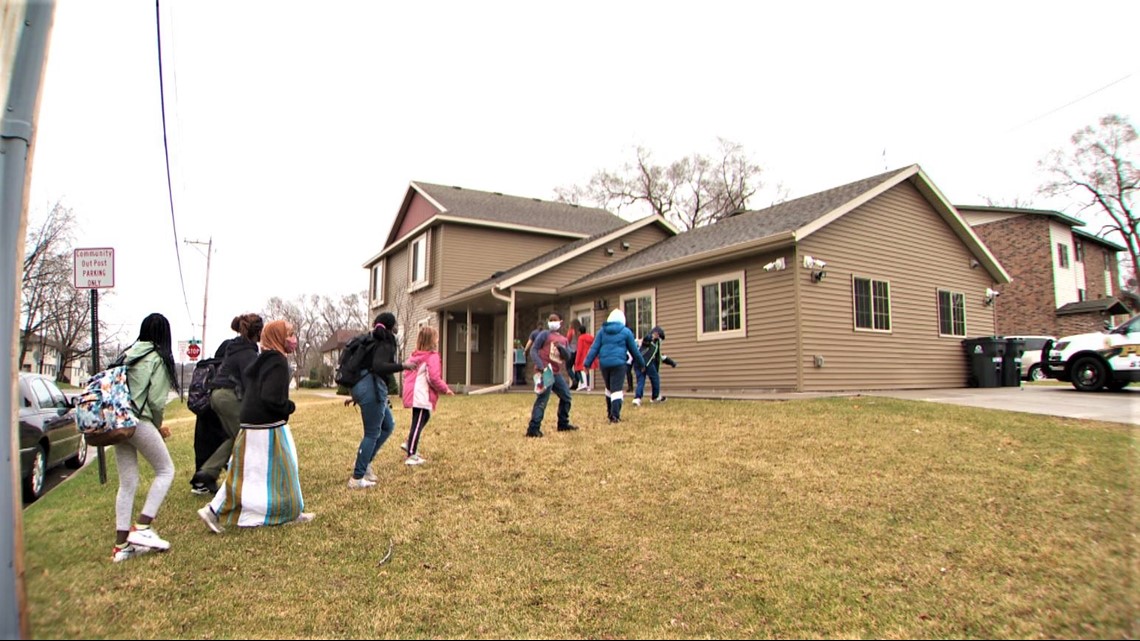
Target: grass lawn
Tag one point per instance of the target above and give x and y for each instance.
(841, 517)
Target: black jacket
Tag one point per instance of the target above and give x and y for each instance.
(266, 401)
(240, 354)
(384, 363)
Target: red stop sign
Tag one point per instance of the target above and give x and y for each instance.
(193, 351)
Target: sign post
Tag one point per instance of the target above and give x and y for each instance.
(94, 270)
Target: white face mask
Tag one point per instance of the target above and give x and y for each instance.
(554, 325)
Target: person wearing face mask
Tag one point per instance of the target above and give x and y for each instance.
(549, 350)
(262, 485)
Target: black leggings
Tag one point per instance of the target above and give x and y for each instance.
(420, 418)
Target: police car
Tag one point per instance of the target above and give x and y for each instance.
(1097, 360)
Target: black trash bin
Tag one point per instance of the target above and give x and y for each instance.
(984, 355)
(1011, 362)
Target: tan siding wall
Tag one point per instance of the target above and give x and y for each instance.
(472, 254)
(596, 259)
(899, 238)
(763, 360)
(455, 359)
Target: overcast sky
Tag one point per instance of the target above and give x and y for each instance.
(294, 128)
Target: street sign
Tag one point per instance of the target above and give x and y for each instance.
(94, 268)
(193, 351)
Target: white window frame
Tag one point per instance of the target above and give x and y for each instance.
(632, 323)
(855, 306)
(1063, 255)
(953, 308)
(419, 281)
(461, 337)
(721, 334)
(584, 312)
(377, 284)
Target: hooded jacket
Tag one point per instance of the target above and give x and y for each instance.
(266, 403)
(651, 348)
(240, 354)
(613, 342)
(384, 363)
(424, 382)
(148, 381)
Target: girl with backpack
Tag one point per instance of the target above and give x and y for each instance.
(371, 394)
(150, 379)
(423, 383)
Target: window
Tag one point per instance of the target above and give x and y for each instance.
(1107, 273)
(585, 316)
(638, 308)
(951, 313)
(872, 304)
(720, 306)
(1078, 250)
(418, 267)
(1081, 295)
(1063, 255)
(377, 291)
(461, 337)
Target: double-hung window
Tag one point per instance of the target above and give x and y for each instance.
(377, 285)
(951, 313)
(638, 308)
(720, 306)
(418, 262)
(872, 304)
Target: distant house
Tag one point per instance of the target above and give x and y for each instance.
(1064, 280)
(45, 356)
(330, 349)
(842, 289)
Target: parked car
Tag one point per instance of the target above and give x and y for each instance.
(48, 433)
(1031, 369)
(1098, 360)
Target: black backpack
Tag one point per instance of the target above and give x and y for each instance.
(198, 394)
(354, 358)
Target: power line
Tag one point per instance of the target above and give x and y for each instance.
(1071, 103)
(166, 153)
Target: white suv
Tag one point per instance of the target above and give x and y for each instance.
(1031, 358)
(1097, 360)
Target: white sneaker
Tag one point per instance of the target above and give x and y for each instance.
(128, 551)
(211, 519)
(305, 517)
(370, 474)
(404, 446)
(637, 402)
(147, 538)
(360, 484)
(415, 459)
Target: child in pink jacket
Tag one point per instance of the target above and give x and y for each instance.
(423, 383)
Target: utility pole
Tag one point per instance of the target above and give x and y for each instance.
(205, 294)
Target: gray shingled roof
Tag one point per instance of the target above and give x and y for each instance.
(1107, 305)
(516, 210)
(1097, 239)
(745, 227)
(1024, 211)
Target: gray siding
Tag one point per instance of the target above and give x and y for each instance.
(899, 238)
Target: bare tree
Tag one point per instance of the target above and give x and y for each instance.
(47, 272)
(691, 192)
(305, 315)
(347, 312)
(1100, 171)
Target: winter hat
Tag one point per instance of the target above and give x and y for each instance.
(616, 316)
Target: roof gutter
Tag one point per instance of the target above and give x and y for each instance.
(508, 364)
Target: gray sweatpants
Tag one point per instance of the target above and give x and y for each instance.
(149, 442)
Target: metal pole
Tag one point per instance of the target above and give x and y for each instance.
(205, 294)
(95, 367)
(28, 24)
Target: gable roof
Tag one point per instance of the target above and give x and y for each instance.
(1023, 211)
(495, 209)
(785, 224)
(551, 259)
(338, 340)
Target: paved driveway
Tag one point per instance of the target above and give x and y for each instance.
(1054, 400)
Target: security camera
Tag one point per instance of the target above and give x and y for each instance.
(776, 265)
(813, 263)
(992, 293)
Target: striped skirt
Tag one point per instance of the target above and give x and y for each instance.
(262, 485)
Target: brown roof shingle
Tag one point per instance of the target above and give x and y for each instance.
(494, 207)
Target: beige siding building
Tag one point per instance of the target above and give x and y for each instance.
(871, 285)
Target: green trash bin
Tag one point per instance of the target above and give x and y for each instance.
(984, 355)
(1011, 362)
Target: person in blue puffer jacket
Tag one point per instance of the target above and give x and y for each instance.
(613, 343)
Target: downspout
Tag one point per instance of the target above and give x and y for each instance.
(509, 364)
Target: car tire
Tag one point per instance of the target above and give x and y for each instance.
(1036, 373)
(1089, 374)
(1117, 385)
(77, 461)
(34, 481)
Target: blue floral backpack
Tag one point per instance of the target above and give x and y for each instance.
(105, 413)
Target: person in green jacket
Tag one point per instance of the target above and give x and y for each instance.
(150, 379)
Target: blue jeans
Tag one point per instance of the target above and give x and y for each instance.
(654, 381)
(539, 411)
(371, 394)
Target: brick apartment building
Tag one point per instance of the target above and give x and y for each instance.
(1064, 280)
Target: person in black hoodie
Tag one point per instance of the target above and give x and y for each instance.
(371, 394)
(225, 399)
(651, 352)
(263, 485)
